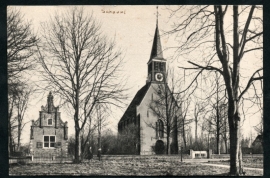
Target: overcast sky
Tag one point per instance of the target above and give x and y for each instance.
(133, 30)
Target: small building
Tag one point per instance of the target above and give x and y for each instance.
(257, 145)
(49, 134)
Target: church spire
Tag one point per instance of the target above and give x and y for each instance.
(156, 51)
(157, 16)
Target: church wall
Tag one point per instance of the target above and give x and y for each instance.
(148, 134)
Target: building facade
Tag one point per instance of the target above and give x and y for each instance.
(257, 145)
(151, 125)
(49, 134)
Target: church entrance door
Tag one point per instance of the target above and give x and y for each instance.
(159, 147)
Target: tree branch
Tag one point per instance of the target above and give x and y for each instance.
(252, 78)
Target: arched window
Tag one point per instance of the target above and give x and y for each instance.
(160, 129)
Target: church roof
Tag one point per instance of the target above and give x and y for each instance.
(156, 51)
(258, 139)
(131, 110)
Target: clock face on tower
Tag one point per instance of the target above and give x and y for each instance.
(159, 77)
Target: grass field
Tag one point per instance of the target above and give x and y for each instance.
(147, 167)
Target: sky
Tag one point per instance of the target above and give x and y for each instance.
(133, 31)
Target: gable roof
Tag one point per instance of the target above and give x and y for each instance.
(49, 108)
(258, 139)
(131, 110)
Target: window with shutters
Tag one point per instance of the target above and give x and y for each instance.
(49, 141)
(58, 144)
(39, 144)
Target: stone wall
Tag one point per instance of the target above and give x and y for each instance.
(198, 154)
(148, 134)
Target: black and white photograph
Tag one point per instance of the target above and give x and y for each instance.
(135, 90)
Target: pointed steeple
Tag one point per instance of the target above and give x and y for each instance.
(156, 51)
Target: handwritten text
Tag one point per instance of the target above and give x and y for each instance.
(113, 12)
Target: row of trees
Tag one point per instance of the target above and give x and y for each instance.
(174, 108)
(20, 50)
(109, 142)
(222, 46)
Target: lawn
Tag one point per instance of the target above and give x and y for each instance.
(145, 167)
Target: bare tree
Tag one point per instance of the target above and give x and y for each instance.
(101, 118)
(199, 110)
(205, 29)
(20, 43)
(259, 127)
(22, 99)
(128, 140)
(218, 105)
(11, 119)
(184, 105)
(225, 129)
(171, 109)
(81, 66)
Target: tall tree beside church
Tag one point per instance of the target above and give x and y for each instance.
(81, 65)
(217, 110)
(199, 110)
(184, 121)
(168, 106)
(224, 46)
(165, 107)
(20, 50)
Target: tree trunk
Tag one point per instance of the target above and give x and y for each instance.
(19, 135)
(184, 136)
(218, 118)
(196, 125)
(77, 146)
(235, 152)
(10, 139)
(168, 141)
(226, 146)
(218, 133)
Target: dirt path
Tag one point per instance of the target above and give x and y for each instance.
(203, 160)
(227, 166)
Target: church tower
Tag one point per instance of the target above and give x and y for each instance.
(144, 129)
(156, 63)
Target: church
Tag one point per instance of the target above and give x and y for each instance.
(49, 134)
(151, 127)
